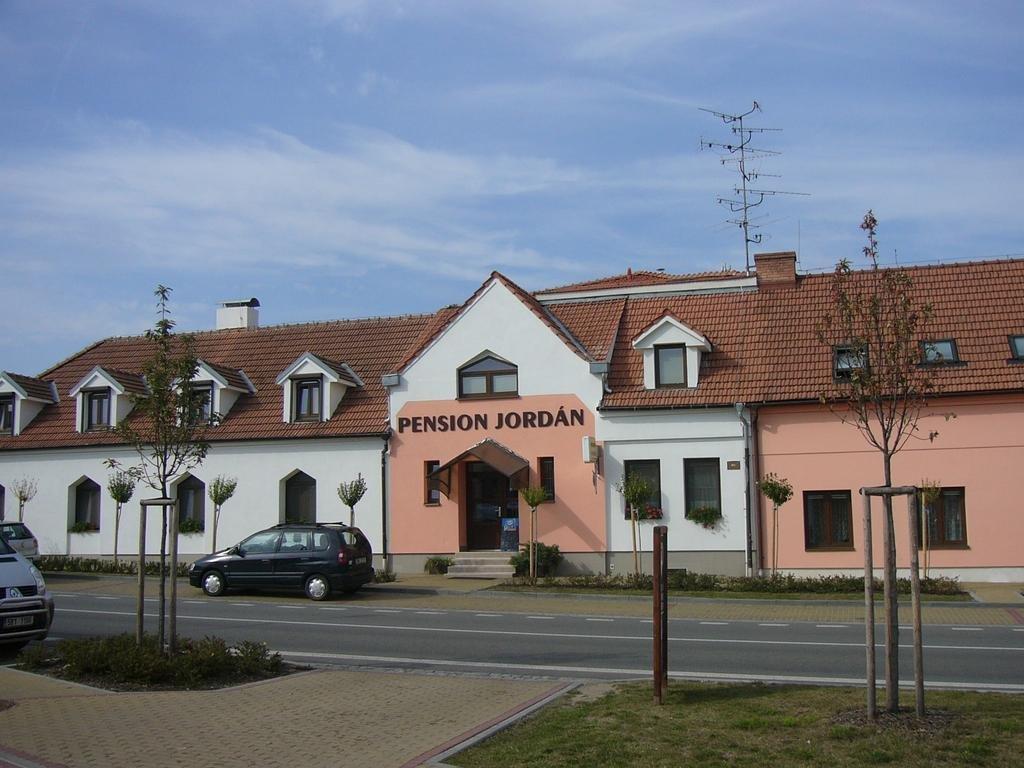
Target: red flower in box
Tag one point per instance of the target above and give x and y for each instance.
(651, 512)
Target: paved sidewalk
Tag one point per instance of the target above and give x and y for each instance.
(320, 718)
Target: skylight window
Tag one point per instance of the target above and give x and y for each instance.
(939, 352)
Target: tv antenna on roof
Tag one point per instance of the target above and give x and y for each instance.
(741, 153)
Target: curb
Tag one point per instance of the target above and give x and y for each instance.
(436, 756)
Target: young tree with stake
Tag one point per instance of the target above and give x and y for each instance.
(534, 496)
(873, 326)
(778, 491)
(24, 491)
(221, 489)
(636, 490)
(121, 487)
(167, 429)
(350, 494)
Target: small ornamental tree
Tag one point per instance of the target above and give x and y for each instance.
(778, 491)
(221, 489)
(24, 491)
(121, 487)
(636, 490)
(534, 496)
(873, 328)
(167, 428)
(350, 494)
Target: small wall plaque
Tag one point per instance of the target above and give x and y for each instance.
(732, 465)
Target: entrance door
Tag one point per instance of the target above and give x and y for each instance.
(487, 501)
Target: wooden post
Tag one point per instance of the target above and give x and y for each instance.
(915, 597)
(173, 610)
(869, 607)
(660, 603)
(141, 606)
(892, 625)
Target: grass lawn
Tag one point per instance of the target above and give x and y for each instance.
(757, 725)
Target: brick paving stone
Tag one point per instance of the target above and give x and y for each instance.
(322, 718)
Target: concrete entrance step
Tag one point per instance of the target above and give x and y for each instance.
(481, 565)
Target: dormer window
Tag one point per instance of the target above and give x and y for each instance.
(669, 365)
(221, 386)
(6, 414)
(312, 388)
(22, 398)
(939, 352)
(97, 410)
(672, 353)
(203, 394)
(306, 399)
(489, 376)
(848, 359)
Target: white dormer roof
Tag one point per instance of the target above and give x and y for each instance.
(30, 396)
(668, 329)
(310, 365)
(119, 381)
(226, 378)
(338, 378)
(28, 388)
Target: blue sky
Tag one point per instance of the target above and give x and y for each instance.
(340, 158)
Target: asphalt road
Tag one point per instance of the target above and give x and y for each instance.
(589, 646)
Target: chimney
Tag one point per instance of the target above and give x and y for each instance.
(775, 270)
(241, 313)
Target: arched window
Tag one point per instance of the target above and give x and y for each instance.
(489, 376)
(191, 504)
(300, 499)
(87, 506)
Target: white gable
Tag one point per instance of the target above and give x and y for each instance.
(499, 324)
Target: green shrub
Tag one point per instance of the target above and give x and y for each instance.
(438, 564)
(82, 527)
(384, 576)
(548, 559)
(70, 564)
(119, 660)
(706, 517)
(688, 581)
(190, 525)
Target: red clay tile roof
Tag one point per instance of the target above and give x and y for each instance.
(764, 351)
(232, 376)
(638, 278)
(132, 383)
(33, 387)
(372, 347)
(765, 348)
(594, 323)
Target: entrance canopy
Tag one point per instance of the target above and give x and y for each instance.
(493, 454)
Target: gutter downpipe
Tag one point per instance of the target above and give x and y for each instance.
(755, 512)
(384, 501)
(747, 486)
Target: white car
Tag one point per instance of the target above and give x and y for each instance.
(26, 607)
(21, 539)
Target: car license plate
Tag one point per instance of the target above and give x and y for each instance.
(18, 621)
(359, 560)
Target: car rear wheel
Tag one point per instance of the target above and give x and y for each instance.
(317, 587)
(214, 584)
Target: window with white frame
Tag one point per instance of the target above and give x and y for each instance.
(306, 399)
(96, 409)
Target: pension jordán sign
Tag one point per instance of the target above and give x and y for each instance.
(466, 422)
